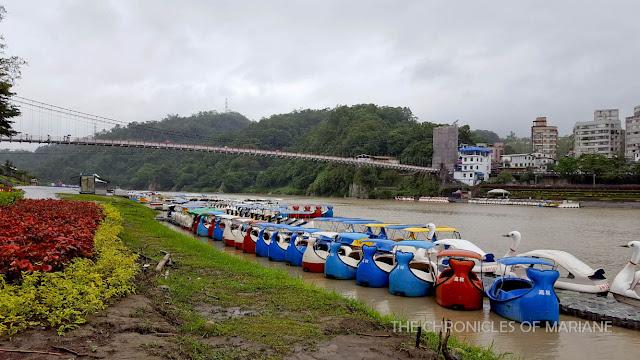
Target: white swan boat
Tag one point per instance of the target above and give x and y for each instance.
(626, 286)
(575, 275)
(315, 256)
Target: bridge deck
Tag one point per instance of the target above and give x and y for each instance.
(67, 140)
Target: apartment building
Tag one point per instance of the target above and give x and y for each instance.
(473, 166)
(600, 136)
(544, 138)
(632, 140)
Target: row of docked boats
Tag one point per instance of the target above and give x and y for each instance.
(411, 260)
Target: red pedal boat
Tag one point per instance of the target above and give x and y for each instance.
(458, 287)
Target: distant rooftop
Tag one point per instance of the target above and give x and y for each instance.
(475, 148)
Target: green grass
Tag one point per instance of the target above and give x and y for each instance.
(286, 311)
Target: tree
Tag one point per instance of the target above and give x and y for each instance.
(9, 72)
(487, 136)
(504, 177)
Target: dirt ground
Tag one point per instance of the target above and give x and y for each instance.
(138, 327)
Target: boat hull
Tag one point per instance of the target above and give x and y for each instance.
(276, 253)
(336, 268)
(293, 255)
(458, 287)
(526, 301)
(368, 273)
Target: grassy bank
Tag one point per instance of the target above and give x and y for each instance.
(211, 294)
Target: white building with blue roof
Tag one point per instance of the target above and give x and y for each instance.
(474, 165)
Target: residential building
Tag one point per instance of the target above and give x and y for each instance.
(632, 141)
(544, 138)
(445, 147)
(473, 166)
(537, 162)
(600, 136)
(498, 151)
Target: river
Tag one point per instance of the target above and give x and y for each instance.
(592, 234)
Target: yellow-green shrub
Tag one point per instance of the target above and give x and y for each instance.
(63, 299)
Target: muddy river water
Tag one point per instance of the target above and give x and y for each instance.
(592, 234)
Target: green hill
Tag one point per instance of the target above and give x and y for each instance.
(343, 131)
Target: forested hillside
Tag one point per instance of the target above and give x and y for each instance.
(344, 131)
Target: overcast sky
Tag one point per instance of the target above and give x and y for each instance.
(492, 64)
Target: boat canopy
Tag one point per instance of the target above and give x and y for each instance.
(422, 244)
(461, 245)
(523, 260)
(416, 229)
(402, 226)
(226, 216)
(381, 244)
(204, 211)
(571, 263)
(444, 228)
(327, 234)
(359, 221)
(380, 225)
(460, 253)
(349, 237)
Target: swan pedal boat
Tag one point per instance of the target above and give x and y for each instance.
(298, 245)
(575, 275)
(342, 262)
(486, 265)
(458, 287)
(232, 230)
(523, 300)
(283, 242)
(626, 285)
(315, 256)
(376, 264)
(206, 225)
(413, 274)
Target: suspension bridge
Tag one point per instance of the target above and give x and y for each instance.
(38, 117)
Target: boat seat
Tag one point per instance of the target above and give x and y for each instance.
(424, 266)
(508, 295)
(422, 275)
(384, 266)
(350, 261)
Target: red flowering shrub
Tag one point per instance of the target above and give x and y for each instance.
(45, 234)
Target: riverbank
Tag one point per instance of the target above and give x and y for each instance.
(213, 305)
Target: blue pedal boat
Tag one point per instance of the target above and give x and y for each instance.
(377, 262)
(281, 241)
(414, 274)
(265, 238)
(342, 262)
(523, 300)
(297, 246)
(207, 221)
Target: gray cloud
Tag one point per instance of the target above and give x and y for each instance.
(493, 65)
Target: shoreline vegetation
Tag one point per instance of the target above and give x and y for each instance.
(214, 305)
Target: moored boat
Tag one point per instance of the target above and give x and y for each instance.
(531, 300)
(458, 287)
(317, 251)
(376, 264)
(626, 285)
(574, 274)
(413, 274)
(342, 262)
